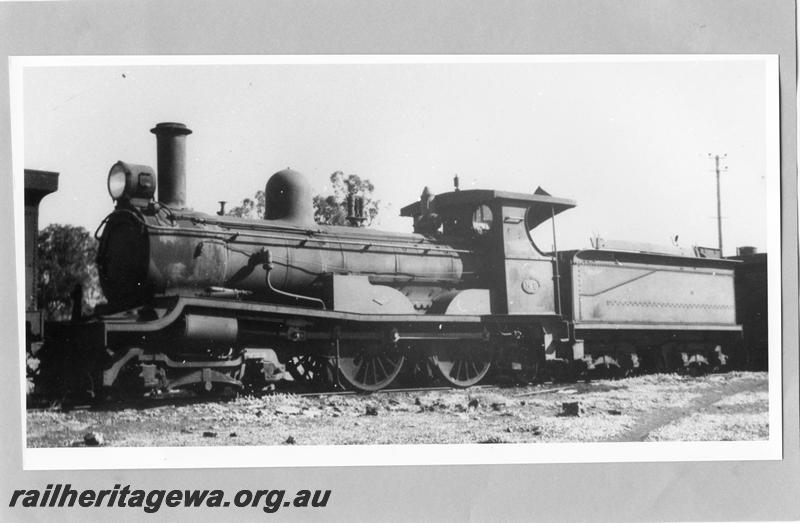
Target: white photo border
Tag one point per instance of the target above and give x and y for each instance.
(379, 455)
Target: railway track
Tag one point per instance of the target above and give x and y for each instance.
(183, 398)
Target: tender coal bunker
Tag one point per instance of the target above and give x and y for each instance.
(122, 262)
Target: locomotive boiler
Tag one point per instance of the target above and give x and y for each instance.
(208, 301)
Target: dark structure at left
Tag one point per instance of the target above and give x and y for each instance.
(38, 184)
(207, 302)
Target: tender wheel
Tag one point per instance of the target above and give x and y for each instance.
(461, 364)
(368, 366)
(630, 364)
(695, 364)
(719, 359)
(606, 367)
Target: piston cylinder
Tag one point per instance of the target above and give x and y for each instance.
(213, 330)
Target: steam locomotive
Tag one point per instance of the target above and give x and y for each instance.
(200, 301)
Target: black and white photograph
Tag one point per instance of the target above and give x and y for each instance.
(400, 262)
(473, 252)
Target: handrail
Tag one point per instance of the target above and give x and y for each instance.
(365, 244)
(269, 266)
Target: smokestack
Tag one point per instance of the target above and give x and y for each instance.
(171, 140)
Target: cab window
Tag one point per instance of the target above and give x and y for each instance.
(482, 220)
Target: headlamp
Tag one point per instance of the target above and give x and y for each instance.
(127, 181)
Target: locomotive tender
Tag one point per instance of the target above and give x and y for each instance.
(208, 301)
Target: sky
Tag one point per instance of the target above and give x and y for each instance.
(628, 139)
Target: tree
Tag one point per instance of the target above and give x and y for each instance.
(328, 210)
(66, 258)
(332, 209)
(252, 208)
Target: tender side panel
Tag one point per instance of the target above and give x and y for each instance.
(622, 292)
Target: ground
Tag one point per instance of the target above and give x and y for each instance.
(668, 407)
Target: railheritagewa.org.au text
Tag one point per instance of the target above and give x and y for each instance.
(61, 495)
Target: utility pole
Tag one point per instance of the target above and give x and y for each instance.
(719, 169)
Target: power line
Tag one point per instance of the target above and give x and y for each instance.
(718, 169)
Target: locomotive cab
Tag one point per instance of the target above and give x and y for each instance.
(497, 223)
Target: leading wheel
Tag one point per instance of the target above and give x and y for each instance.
(368, 365)
(461, 364)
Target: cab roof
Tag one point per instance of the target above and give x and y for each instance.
(540, 203)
